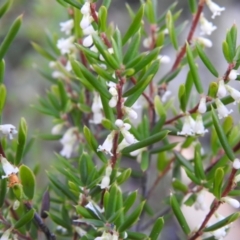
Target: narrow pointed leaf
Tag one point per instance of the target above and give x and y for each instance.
(25, 219)
(157, 228)
(4, 8)
(217, 182)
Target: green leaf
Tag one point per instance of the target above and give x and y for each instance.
(82, 211)
(93, 81)
(136, 236)
(2, 71)
(132, 218)
(3, 95)
(178, 185)
(183, 161)
(150, 12)
(226, 51)
(3, 191)
(87, 51)
(165, 147)
(25, 219)
(129, 201)
(106, 3)
(117, 45)
(206, 60)
(74, 3)
(104, 74)
(112, 201)
(171, 29)
(28, 181)
(102, 17)
(59, 220)
(4, 8)
(22, 135)
(222, 137)
(43, 52)
(124, 176)
(193, 6)
(157, 228)
(194, 70)
(144, 160)
(182, 97)
(188, 86)
(10, 36)
(217, 182)
(198, 165)
(179, 215)
(226, 221)
(146, 142)
(135, 25)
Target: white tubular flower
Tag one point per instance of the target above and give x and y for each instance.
(88, 41)
(8, 168)
(188, 126)
(97, 103)
(113, 101)
(86, 21)
(231, 201)
(130, 112)
(93, 206)
(8, 129)
(214, 8)
(89, 30)
(204, 41)
(138, 153)
(65, 45)
(164, 59)
(119, 123)
(236, 163)
(166, 95)
(219, 233)
(199, 127)
(69, 141)
(233, 74)
(206, 26)
(222, 109)
(122, 145)
(105, 182)
(67, 26)
(221, 89)
(200, 203)
(147, 42)
(107, 144)
(85, 10)
(202, 107)
(235, 94)
(6, 234)
(57, 129)
(108, 170)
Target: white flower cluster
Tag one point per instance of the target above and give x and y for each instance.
(97, 109)
(106, 178)
(86, 24)
(200, 203)
(207, 27)
(193, 127)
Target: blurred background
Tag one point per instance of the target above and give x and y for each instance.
(25, 84)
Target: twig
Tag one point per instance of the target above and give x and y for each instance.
(49, 235)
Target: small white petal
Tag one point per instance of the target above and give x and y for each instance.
(57, 75)
(204, 41)
(199, 127)
(108, 170)
(214, 8)
(222, 109)
(231, 201)
(105, 182)
(221, 89)
(129, 137)
(86, 21)
(166, 95)
(188, 126)
(113, 102)
(119, 123)
(130, 112)
(16, 205)
(65, 45)
(88, 41)
(85, 10)
(107, 144)
(57, 129)
(206, 26)
(164, 59)
(8, 129)
(67, 26)
(6, 234)
(233, 75)
(89, 30)
(236, 163)
(202, 107)
(8, 168)
(147, 42)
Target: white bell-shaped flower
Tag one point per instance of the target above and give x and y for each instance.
(236, 163)
(199, 127)
(57, 129)
(206, 27)
(204, 41)
(113, 101)
(69, 142)
(85, 9)
(130, 112)
(166, 95)
(164, 59)
(235, 94)
(86, 21)
(222, 109)
(222, 91)
(88, 41)
(8, 130)
(233, 74)
(107, 144)
(105, 182)
(67, 26)
(214, 8)
(231, 201)
(188, 126)
(200, 203)
(202, 107)
(8, 168)
(65, 45)
(89, 30)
